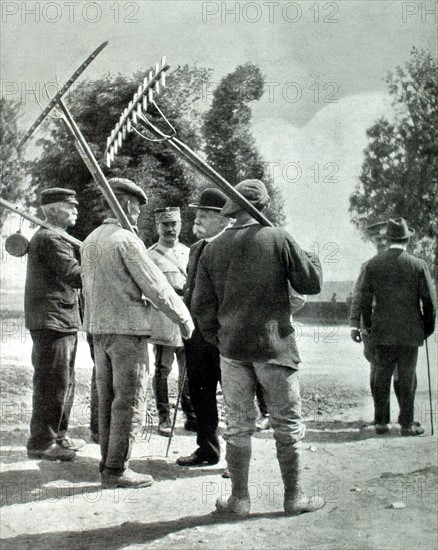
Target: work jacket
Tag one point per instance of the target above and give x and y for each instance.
(52, 279)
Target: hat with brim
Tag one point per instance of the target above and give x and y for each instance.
(398, 230)
(376, 229)
(210, 199)
(58, 194)
(123, 186)
(168, 214)
(254, 191)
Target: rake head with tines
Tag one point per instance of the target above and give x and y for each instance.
(146, 432)
(136, 108)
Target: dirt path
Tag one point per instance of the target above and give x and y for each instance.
(56, 505)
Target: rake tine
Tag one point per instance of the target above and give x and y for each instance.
(157, 85)
(150, 91)
(163, 74)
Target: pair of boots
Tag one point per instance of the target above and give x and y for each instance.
(289, 458)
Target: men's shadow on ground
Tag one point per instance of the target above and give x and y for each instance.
(112, 538)
(42, 480)
(338, 431)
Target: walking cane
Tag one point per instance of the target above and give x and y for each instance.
(178, 399)
(430, 387)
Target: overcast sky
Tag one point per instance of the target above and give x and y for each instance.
(324, 64)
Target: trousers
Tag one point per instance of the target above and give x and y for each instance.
(53, 360)
(369, 351)
(281, 389)
(121, 376)
(164, 356)
(203, 369)
(387, 359)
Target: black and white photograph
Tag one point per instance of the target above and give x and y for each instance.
(219, 274)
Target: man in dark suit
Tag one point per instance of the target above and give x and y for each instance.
(202, 358)
(403, 316)
(377, 234)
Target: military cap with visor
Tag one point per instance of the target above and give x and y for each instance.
(168, 214)
(58, 194)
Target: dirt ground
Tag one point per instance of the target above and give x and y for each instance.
(361, 475)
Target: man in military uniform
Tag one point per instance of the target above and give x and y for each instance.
(52, 316)
(171, 257)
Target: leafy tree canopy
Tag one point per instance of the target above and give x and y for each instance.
(230, 146)
(400, 170)
(96, 106)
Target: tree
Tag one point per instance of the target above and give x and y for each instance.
(14, 184)
(96, 106)
(230, 146)
(400, 170)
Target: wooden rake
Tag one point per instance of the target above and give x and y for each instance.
(134, 118)
(56, 104)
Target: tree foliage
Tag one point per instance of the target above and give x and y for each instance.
(96, 106)
(400, 170)
(14, 185)
(230, 146)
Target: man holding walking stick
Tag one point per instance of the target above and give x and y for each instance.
(403, 317)
(52, 316)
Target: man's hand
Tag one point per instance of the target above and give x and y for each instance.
(355, 335)
(187, 329)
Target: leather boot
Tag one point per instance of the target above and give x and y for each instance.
(295, 501)
(159, 384)
(238, 459)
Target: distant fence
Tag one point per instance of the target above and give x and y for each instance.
(323, 311)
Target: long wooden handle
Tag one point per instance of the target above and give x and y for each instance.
(94, 168)
(53, 102)
(207, 171)
(41, 223)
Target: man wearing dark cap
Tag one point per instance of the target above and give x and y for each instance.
(171, 257)
(241, 304)
(120, 282)
(377, 234)
(203, 357)
(52, 316)
(403, 316)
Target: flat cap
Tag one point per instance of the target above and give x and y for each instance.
(123, 186)
(210, 199)
(254, 191)
(58, 194)
(168, 214)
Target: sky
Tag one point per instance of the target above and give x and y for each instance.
(324, 65)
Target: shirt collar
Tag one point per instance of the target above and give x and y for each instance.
(399, 246)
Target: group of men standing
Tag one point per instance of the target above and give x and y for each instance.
(229, 300)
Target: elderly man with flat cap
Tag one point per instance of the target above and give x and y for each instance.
(52, 316)
(401, 289)
(241, 304)
(120, 282)
(171, 257)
